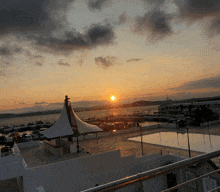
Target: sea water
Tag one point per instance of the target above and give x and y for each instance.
(82, 115)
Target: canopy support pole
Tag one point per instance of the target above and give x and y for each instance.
(77, 145)
(97, 138)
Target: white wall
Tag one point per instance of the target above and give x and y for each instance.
(12, 166)
(72, 175)
(85, 172)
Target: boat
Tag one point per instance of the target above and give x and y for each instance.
(2, 140)
(6, 129)
(31, 126)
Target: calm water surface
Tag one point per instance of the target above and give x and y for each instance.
(82, 115)
(198, 142)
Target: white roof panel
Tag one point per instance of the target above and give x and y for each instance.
(61, 128)
(84, 127)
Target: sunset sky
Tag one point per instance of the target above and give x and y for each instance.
(93, 49)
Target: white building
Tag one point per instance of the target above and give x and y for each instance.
(184, 108)
(47, 167)
(82, 173)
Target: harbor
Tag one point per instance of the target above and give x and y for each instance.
(103, 96)
(85, 146)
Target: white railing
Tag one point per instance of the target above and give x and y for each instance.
(141, 177)
(190, 181)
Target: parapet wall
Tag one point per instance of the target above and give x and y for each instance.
(29, 144)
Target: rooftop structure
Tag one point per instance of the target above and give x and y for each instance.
(31, 169)
(68, 125)
(106, 170)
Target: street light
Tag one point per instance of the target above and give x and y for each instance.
(188, 142)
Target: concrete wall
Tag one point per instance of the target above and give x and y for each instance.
(87, 172)
(12, 166)
(29, 144)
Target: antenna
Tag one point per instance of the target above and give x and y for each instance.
(167, 95)
(67, 108)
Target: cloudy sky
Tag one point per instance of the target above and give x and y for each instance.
(92, 49)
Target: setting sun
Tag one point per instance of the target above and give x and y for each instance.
(113, 98)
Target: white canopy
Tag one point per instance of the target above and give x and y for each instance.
(82, 126)
(64, 128)
(61, 128)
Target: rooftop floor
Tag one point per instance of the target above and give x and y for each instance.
(36, 156)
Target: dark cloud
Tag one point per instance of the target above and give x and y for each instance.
(96, 4)
(95, 35)
(4, 51)
(213, 82)
(10, 50)
(37, 56)
(41, 103)
(122, 18)
(214, 27)
(155, 24)
(34, 56)
(197, 9)
(105, 62)
(194, 10)
(43, 22)
(21, 103)
(63, 63)
(154, 2)
(38, 63)
(22, 15)
(81, 57)
(99, 35)
(130, 60)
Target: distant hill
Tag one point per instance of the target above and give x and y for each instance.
(104, 107)
(199, 99)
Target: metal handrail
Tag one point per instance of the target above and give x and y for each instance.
(215, 189)
(152, 173)
(190, 181)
